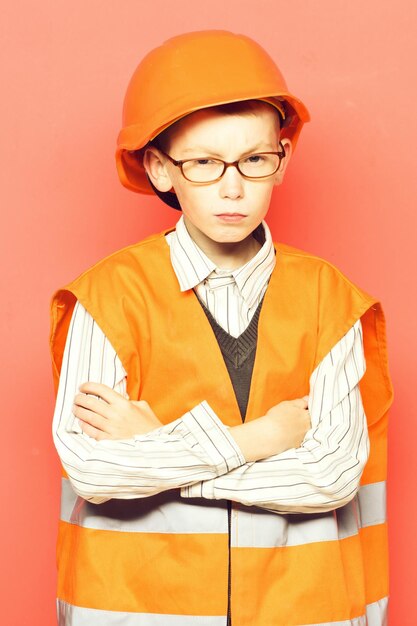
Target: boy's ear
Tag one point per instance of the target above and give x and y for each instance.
(155, 166)
(279, 176)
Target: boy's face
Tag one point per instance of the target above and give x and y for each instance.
(228, 210)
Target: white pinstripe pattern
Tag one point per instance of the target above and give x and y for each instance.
(232, 296)
(196, 451)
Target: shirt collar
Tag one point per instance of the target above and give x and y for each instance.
(192, 266)
(251, 277)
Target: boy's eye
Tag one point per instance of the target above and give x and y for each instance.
(202, 170)
(200, 162)
(255, 159)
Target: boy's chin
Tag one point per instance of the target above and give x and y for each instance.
(230, 240)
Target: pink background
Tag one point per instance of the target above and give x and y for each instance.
(349, 196)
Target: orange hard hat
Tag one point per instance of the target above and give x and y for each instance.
(194, 71)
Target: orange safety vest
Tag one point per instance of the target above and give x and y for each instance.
(163, 560)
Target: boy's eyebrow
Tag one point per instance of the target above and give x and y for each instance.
(204, 150)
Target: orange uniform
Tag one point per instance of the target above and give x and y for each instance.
(164, 560)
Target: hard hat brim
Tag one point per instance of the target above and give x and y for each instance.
(132, 141)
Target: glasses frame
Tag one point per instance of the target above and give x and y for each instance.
(281, 154)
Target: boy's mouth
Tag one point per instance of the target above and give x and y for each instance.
(230, 217)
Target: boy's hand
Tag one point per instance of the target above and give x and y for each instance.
(289, 421)
(282, 427)
(111, 416)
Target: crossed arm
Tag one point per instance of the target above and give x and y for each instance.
(279, 461)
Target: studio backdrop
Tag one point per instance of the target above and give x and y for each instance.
(349, 196)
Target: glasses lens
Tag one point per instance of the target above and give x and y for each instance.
(259, 165)
(202, 170)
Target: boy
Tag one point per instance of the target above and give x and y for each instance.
(221, 467)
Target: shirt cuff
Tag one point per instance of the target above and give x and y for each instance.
(213, 436)
(203, 489)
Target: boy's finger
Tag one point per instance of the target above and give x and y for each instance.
(102, 391)
(301, 402)
(95, 433)
(90, 418)
(94, 405)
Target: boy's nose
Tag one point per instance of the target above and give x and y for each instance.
(231, 183)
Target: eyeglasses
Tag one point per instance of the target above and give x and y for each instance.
(208, 170)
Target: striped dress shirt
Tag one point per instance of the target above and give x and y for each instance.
(196, 452)
(231, 296)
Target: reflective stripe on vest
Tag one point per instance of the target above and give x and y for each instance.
(251, 527)
(376, 615)
(166, 512)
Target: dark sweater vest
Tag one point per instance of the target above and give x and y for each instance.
(238, 354)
